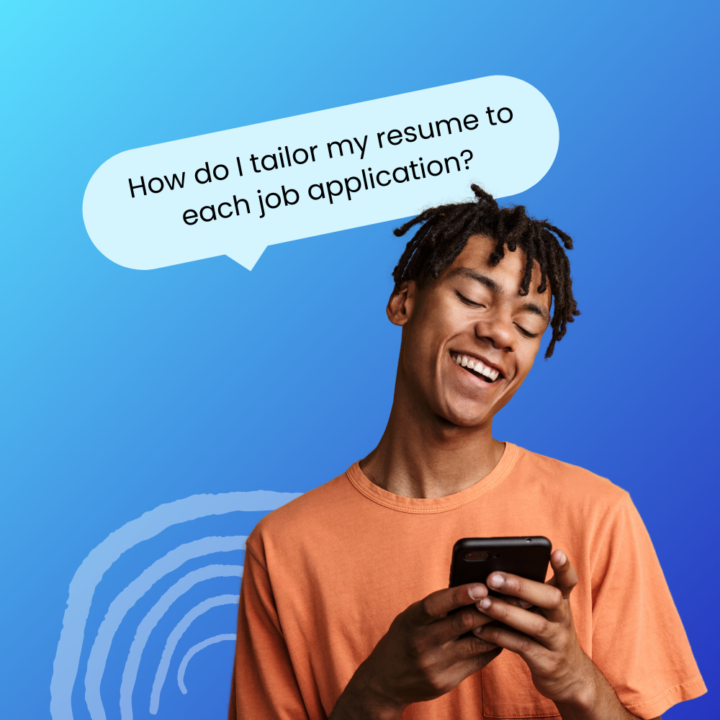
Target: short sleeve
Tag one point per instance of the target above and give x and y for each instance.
(263, 682)
(639, 642)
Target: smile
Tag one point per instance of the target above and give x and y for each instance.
(476, 367)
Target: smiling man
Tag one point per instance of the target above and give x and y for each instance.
(345, 611)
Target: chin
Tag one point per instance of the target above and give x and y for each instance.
(466, 416)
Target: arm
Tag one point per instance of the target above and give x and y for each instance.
(427, 651)
(601, 702)
(263, 681)
(542, 632)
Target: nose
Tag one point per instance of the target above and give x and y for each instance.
(497, 330)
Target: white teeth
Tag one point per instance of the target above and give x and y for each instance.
(476, 366)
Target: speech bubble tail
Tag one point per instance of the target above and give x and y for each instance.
(247, 255)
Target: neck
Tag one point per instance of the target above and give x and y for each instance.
(422, 455)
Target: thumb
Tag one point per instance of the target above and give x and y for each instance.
(565, 578)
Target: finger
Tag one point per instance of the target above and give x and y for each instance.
(513, 601)
(543, 595)
(438, 604)
(534, 625)
(565, 577)
(470, 647)
(532, 652)
(456, 625)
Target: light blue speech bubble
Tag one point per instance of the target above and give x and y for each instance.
(237, 191)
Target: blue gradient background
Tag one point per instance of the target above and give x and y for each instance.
(122, 389)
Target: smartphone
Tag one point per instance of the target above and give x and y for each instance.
(473, 559)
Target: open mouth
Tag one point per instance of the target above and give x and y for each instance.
(476, 367)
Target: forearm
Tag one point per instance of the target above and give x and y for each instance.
(596, 701)
(361, 701)
(350, 707)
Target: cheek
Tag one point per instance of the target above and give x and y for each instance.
(429, 328)
(525, 361)
(417, 353)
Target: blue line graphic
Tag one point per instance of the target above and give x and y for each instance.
(193, 651)
(100, 560)
(174, 638)
(153, 617)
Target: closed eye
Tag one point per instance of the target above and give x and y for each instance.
(471, 303)
(467, 301)
(526, 333)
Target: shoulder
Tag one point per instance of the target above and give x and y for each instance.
(586, 512)
(566, 483)
(300, 517)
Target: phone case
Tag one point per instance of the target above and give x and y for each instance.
(473, 559)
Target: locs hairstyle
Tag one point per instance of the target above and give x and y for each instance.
(445, 231)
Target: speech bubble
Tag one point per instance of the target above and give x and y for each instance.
(238, 191)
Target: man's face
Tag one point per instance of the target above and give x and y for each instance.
(471, 315)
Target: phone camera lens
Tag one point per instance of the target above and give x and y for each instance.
(476, 556)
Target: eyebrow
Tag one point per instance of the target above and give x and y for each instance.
(533, 308)
(489, 283)
(496, 289)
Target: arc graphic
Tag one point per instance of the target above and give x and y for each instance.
(100, 560)
(148, 623)
(174, 638)
(127, 599)
(194, 650)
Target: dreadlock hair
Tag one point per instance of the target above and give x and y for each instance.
(445, 231)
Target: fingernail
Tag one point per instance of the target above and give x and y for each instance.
(525, 604)
(562, 557)
(478, 631)
(477, 591)
(496, 581)
(484, 604)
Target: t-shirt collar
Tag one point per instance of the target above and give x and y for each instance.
(433, 505)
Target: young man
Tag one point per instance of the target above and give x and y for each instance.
(345, 611)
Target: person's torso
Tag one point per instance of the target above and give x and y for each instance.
(344, 568)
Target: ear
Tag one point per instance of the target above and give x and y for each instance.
(401, 303)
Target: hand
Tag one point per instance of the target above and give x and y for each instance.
(543, 635)
(427, 651)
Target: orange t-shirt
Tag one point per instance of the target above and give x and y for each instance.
(326, 574)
